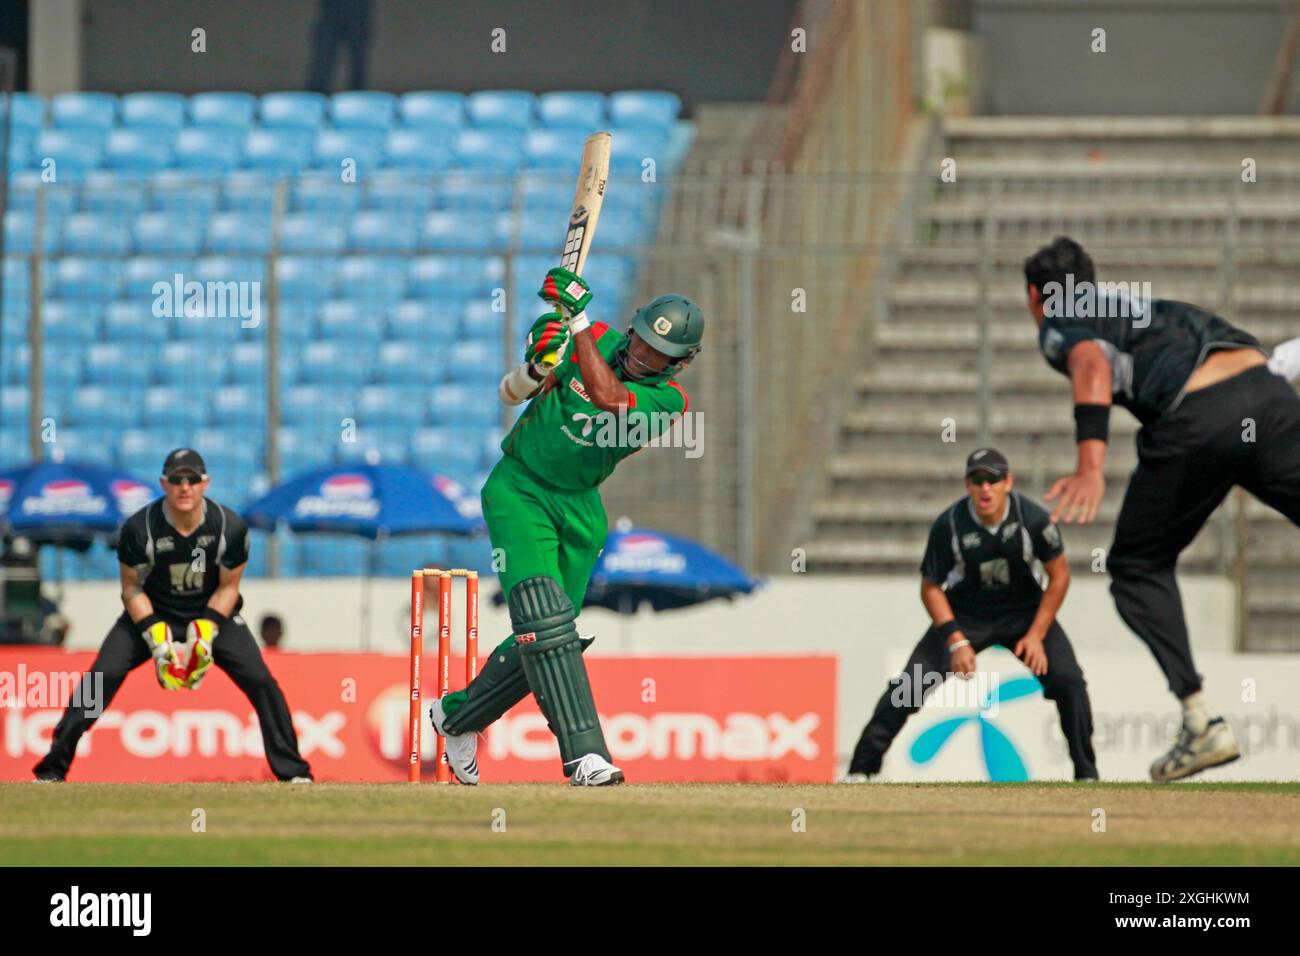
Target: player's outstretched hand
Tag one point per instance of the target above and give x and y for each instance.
(567, 289)
(1030, 650)
(1080, 495)
(962, 661)
(158, 636)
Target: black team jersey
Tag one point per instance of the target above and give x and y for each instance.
(987, 574)
(1153, 351)
(179, 573)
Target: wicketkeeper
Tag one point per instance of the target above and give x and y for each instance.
(606, 395)
(982, 583)
(181, 559)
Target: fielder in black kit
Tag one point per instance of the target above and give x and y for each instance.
(181, 559)
(982, 581)
(1213, 416)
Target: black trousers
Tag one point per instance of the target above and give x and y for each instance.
(1063, 683)
(234, 651)
(1242, 431)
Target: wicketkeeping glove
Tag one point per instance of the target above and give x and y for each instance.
(158, 636)
(548, 336)
(567, 289)
(201, 634)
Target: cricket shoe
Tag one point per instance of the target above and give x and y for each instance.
(1193, 752)
(856, 778)
(594, 770)
(460, 747)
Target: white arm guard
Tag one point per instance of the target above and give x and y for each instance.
(518, 385)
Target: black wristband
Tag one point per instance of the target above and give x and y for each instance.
(1091, 422)
(145, 623)
(215, 616)
(948, 629)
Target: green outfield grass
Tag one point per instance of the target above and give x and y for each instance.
(873, 824)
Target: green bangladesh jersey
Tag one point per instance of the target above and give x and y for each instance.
(568, 442)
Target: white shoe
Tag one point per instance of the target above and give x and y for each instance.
(461, 748)
(855, 778)
(1193, 752)
(301, 780)
(594, 770)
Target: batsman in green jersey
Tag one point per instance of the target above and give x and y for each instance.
(594, 396)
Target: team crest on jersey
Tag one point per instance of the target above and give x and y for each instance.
(164, 544)
(1052, 535)
(971, 540)
(1010, 528)
(576, 386)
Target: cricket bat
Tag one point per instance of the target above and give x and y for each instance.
(587, 200)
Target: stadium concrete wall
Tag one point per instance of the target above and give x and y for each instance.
(869, 626)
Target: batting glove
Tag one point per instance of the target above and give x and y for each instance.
(549, 336)
(567, 289)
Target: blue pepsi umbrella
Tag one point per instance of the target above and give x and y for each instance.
(368, 500)
(68, 503)
(665, 570)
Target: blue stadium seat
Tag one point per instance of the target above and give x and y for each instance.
(74, 151)
(489, 149)
(15, 401)
(480, 323)
(21, 143)
(399, 191)
(248, 191)
(20, 232)
(86, 442)
(131, 320)
(393, 406)
(296, 110)
(439, 276)
(297, 323)
(142, 273)
(322, 405)
(110, 192)
(333, 556)
(248, 363)
(143, 450)
(347, 319)
(219, 331)
(634, 144)
(156, 232)
(181, 194)
(306, 278)
(238, 406)
(140, 150)
(74, 277)
(238, 232)
(445, 450)
(174, 406)
(228, 268)
(432, 108)
(619, 230)
(15, 363)
(62, 367)
(89, 110)
(311, 232)
(27, 112)
(324, 195)
(459, 230)
(414, 362)
(462, 404)
(644, 107)
(227, 449)
(514, 109)
(585, 110)
(336, 363)
(208, 148)
(556, 149)
(419, 149)
(474, 192)
(376, 279)
(99, 405)
(189, 363)
(89, 232)
(419, 320)
(14, 320)
(333, 147)
(398, 556)
(71, 321)
(235, 110)
(476, 362)
(537, 233)
(153, 109)
(384, 230)
(117, 363)
(366, 109)
(278, 151)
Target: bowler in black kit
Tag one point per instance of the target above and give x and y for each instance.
(180, 559)
(982, 583)
(1213, 416)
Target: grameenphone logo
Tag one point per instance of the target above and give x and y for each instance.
(1002, 759)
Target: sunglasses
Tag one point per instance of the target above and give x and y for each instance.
(984, 478)
(184, 480)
